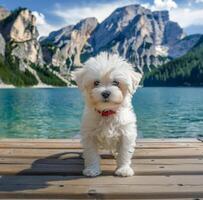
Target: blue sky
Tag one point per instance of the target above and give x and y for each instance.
(54, 14)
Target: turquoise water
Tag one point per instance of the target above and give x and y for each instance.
(56, 113)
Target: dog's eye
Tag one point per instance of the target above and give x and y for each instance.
(115, 83)
(96, 83)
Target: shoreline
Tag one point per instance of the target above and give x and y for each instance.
(44, 86)
(6, 86)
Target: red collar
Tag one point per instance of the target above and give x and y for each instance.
(106, 113)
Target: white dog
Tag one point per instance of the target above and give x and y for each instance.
(108, 83)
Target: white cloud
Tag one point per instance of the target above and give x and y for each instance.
(187, 16)
(164, 5)
(72, 15)
(43, 26)
(199, 1)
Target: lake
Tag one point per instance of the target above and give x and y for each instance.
(56, 113)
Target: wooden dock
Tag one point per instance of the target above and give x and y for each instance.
(51, 169)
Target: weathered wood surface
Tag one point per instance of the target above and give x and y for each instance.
(52, 169)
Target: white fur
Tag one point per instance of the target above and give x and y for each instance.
(116, 132)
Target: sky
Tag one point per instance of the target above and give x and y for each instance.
(54, 14)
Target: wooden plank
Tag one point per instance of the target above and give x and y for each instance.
(104, 180)
(163, 169)
(76, 169)
(77, 145)
(144, 187)
(167, 140)
(175, 141)
(41, 145)
(139, 153)
(41, 153)
(73, 160)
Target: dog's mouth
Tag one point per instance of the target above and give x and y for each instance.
(106, 100)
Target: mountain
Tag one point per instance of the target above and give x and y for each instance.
(183, 71)
(63, 47)
(148, 39)
(138, 34)
(143, 37)
(21, 61)
(181, 47)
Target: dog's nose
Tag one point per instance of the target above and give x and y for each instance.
(106, 94)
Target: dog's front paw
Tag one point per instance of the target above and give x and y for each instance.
(124, 171)
(91, 171)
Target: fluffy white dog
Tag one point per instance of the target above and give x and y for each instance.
(108, 83)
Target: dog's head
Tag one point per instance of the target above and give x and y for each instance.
(106, 81)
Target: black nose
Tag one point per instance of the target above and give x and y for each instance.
(106, 94)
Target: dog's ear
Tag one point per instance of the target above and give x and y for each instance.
(78, 77)
(135, 80)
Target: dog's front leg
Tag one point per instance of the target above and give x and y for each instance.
(92, 158)
(125, 153)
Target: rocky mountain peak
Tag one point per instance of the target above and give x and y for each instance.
(130, 11)
(115, 24)
(63, 47)
(86, 24)
(20, 32)
(56, 36)
(20, 51)
(19, 26)
(24, 27)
